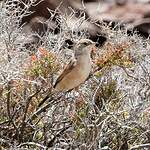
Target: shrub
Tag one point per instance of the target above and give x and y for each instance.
(110, 110)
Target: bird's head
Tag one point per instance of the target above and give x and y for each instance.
(84, 46)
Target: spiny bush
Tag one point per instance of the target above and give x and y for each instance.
(109, 111)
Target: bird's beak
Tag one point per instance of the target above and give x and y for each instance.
(93, 47)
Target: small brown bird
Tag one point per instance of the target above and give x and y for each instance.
(78, 70)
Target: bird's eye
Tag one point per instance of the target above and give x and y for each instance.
(85, 44)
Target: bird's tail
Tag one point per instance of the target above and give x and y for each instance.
(49, 96)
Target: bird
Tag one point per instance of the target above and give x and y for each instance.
(78, 69)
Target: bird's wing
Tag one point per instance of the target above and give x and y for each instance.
(67, 70)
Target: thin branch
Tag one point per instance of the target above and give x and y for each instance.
(43, 109)
(8, 101)
(140, 146)
(32, 144)
(5, 142)
(25, 112)
(51, 142)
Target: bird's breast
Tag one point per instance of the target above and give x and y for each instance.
(84, 68)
